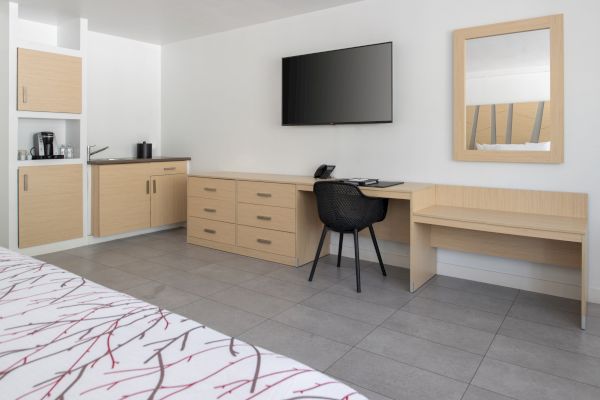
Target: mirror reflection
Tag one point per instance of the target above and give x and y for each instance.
(508, 92)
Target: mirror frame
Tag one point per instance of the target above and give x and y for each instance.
(556, 154)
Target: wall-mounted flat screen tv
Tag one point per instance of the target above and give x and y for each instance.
(347, 86)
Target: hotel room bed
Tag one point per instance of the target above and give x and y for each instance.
(64, 337)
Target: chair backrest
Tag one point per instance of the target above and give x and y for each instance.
(343, 207)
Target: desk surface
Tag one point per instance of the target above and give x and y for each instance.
(306, 182)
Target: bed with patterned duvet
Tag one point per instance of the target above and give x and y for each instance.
(64, 337)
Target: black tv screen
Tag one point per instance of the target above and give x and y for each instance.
(348, 86)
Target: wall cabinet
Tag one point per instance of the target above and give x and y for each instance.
(50, 204)
(129, 197)
(48, 82)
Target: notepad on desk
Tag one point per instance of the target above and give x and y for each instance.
(363, 181)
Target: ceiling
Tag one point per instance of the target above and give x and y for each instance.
(165, 21)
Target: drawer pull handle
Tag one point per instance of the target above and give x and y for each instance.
(259, 194)
(147, 187)
(211, 231)
(210, 210)
(263, 218)
(25, 183)
(207, 189)
(263, 241)
(170, 168)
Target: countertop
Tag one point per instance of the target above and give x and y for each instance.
(133, 160)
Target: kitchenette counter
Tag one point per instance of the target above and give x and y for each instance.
(133, 160)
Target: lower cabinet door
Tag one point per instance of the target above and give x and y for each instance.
(169, 197)
(50, 204)
(123, 193)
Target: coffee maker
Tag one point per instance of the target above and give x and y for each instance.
(44, 146)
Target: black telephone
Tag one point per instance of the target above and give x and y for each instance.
(324, 171)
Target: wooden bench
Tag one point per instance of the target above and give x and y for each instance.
(537, 226)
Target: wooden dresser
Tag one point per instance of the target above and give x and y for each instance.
(253, 218)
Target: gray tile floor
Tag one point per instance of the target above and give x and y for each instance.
(453, 339)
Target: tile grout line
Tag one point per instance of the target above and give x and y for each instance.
(491, 343)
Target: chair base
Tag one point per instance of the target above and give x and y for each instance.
(356, 254)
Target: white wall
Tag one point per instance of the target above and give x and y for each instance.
(221, 105)
(4, 145)
(124, 94)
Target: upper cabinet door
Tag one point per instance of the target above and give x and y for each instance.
(48, 82)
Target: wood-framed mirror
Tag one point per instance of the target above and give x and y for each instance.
(508, 92)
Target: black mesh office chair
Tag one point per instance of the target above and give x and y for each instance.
(343, 208)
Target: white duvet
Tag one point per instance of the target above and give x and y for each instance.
(63, 337)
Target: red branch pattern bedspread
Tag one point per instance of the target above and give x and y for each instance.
(63, 337)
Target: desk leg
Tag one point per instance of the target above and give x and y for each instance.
(423, 257)
(584, 280)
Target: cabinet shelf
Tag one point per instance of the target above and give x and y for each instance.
(25, 44)
(63, 161)
(46, 115)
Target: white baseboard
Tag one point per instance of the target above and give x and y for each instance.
(552, 280)
(87, 240)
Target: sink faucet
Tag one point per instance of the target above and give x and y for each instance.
(90, 153)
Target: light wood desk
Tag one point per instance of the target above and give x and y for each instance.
(274, 217)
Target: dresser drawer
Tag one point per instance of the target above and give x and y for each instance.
(276, 242)
(220, 189)
(216, 231)
(269, 217)
(218, 210)
(167, 168)
(269, 194)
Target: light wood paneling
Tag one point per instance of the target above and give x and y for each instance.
(123, 199)
(167, 168)
(262, 255)
(423, 257)
(214, 231)
(269, 194)
(268, 217)
(267, 240)
(537, 225)
(168, 199)
(562, 204)
(555, 252)
(220, 189)
(218, 210)
(308, 228)
(396, 225)
(50, 204)
(461, 152)
(48, 82)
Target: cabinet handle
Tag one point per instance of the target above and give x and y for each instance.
(263, 218)
(210, 210)
(263, 241)
(207, 189)
(25, 183)
(25, 97)
(170, 169)
(147, 187)
(154, 186)
(259, 194)
(211, 231)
